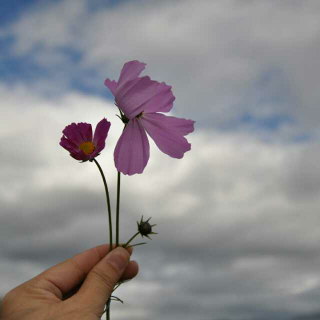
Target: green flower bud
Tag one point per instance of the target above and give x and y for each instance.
(145, 228)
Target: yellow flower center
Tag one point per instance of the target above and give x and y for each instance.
(87, 147)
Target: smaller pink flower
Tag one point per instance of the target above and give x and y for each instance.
(77, 139)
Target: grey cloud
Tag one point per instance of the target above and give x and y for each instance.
(303, 175)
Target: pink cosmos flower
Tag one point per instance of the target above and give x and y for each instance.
(77, 139)
(140, 99)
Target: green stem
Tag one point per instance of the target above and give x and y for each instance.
(138, 244)
(108, 311)
(108, 202)
(131, 239)
(118, 210)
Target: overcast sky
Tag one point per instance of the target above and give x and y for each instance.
(238, 217)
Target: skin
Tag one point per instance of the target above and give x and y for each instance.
(77, 288)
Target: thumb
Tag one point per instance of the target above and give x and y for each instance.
(98, 286)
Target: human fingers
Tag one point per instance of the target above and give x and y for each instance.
(130, 272)
(99, 283)
(65, 276)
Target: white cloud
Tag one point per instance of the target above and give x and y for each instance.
(48, 26)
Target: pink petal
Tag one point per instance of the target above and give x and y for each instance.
(79, 155)
(68, 145)
(130, 70)
(75, 152)
(85, 131)
(131, 154)
(112, 85)
(72, 132)
(168, 133)
(162, 101)
(183, 126)
(131, 101)
(100, 136)
(125, 88)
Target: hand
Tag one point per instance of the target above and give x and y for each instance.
(77, 288)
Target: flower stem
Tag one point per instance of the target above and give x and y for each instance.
(108, 310)
(108, 202)
(118, 210)
(124, 246)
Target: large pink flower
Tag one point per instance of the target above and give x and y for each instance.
(77, 139)
(140, 99)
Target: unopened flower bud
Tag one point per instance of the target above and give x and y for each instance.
(145, 228)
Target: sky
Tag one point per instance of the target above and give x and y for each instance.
(237, 216)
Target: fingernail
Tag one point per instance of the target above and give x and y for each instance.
(119, 258)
